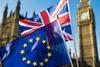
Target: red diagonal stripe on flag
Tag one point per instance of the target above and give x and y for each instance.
(31, 23)
(64, 19)
(29, 32)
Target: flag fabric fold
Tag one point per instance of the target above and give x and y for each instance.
(44, 47)
(59, 11)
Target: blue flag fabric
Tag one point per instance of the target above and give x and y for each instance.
(44, 47)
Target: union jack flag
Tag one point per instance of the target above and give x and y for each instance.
(59, 11)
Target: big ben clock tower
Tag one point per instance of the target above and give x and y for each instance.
(87, 35)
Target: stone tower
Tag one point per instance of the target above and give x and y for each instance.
(5, 14)
(87, 35)
(9, 27)
(16, 18)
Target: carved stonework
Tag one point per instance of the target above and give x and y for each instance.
(9, 27)
(87, 37)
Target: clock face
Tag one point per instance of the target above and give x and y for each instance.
(84, 16)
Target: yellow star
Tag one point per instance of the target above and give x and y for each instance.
(31, 40)
(43, 41)
(24, 58)
(25, 45)
(28, 62)
(41, 63)
(48, 47)
(35, 63)
(37, 38)
(22, 51)
(49, 54)
(46, 60)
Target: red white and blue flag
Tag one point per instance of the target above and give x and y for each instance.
(59, 11)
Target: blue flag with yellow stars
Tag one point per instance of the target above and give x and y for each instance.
(42, 48)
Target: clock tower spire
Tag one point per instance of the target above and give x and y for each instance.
(83, 1)
(87, 35)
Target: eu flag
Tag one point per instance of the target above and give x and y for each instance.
(42, 48)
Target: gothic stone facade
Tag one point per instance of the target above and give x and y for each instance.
(9, 27)
(87, 35)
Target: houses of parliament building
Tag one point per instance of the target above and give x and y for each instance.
(86, 32)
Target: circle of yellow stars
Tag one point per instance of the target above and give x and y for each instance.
(34, 63)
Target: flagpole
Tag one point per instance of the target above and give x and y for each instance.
(74, 39)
